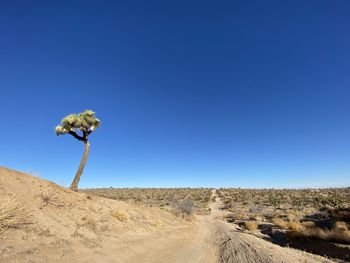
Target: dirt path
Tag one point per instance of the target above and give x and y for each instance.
(212, 240)
(194, 243)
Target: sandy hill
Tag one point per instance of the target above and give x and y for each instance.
(43, 222)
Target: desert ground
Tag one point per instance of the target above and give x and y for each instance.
(43, 222)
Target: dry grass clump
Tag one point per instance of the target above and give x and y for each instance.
(183, 208)
(50, 197)
(296, 230)
(241, 216)
(280, 222)
(295, 225)
(12, 214)
(290, 225)
(338, 233)
(87, 222)
(250, 225)
(238, 216)
(120, 215)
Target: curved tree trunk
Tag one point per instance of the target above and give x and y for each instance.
(74, 185)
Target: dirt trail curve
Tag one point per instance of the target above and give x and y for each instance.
(212, 240)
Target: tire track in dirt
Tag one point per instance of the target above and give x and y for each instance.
(235, 246)
(211, 240)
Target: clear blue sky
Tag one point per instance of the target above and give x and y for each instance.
(190, 93)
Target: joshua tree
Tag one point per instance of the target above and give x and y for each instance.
(80, 126)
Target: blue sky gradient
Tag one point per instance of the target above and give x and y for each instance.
(190, 93)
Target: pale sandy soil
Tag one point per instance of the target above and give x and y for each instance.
(74, 227)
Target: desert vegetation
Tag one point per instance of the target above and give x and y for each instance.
(303, 200)
(39, 219)
(316, 220)
(12, 214)
(182, 201)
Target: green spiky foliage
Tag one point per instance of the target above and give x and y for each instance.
(80, 126)
(84, 123)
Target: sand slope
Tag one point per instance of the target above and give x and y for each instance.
(74, 225)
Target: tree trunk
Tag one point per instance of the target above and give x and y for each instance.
(74, 185)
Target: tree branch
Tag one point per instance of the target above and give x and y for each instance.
(85, 135)
(76, 136)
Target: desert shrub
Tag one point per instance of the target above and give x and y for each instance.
(183, 208)
(301, 200)
(50, 197)
(332, 201)
(280, 222)
(297, 203)
(275, 201)
(339, 233)
(293, 216)
(251, 226)
(291, 225)
(12, 214)
(295, 225)
(241, 216)
(120, 215)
